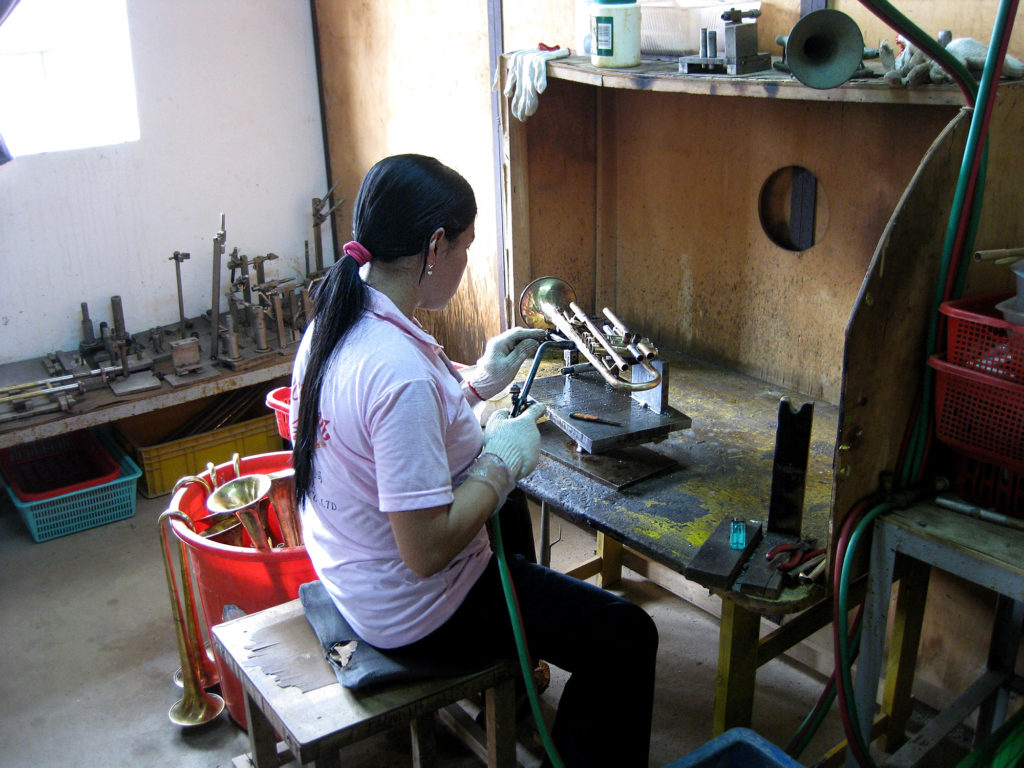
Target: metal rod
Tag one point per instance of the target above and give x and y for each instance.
(218, 252)
(999, 254)
(518, 403)
(980, 513)
(177, 258)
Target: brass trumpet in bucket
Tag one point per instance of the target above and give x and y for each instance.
(282, 499)
(248, 498)
(245, 503)
(196, 706)
(550, 303)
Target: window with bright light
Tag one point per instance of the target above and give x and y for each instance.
(66, 79)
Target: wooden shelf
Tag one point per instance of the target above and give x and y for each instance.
(100, 406)
(662, 75)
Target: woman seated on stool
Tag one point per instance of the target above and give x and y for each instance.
(395, 479)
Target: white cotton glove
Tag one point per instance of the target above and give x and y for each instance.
(502, 358)
(528, 78)
(516, 441)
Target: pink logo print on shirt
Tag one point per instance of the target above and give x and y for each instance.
(322, 429)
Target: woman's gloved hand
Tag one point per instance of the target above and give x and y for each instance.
(502, 358)
(516, 441)
(511, 449)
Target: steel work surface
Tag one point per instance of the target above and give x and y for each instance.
(725, 468)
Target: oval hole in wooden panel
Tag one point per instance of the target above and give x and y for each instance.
(793, 208)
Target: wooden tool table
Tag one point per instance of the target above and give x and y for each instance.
(724, 470)
(927, 536)
(100, 406)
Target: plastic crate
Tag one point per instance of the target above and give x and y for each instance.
(163, 463)
(280, 401)
(979, 415)
(88, 508)
(978, 337)
(984, 484)
(57, 465)
(737, 748)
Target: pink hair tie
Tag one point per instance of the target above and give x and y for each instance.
(356, 250)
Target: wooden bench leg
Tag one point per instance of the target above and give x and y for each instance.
(737, 667)
(908, 618)
(501, 725)
(262, 740)
(424, 741)
(610, 552)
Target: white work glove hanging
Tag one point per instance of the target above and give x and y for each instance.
(528, 78)
(502, 358)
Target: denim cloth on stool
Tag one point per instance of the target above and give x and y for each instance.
(366, 665)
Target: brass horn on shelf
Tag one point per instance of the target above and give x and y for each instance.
(824, 49)
(196, 705)
(550, 303)
(248, 498)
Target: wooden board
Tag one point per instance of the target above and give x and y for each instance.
(887, 330)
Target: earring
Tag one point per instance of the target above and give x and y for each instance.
(430, 269)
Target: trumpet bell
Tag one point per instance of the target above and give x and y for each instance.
(539, 297)
(247, 497)
(238, 493)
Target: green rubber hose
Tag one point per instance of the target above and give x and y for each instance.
(524, 657)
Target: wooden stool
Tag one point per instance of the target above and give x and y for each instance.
(291, 688)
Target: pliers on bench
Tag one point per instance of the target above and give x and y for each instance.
(798, 555)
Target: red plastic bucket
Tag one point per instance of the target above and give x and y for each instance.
(230, 577)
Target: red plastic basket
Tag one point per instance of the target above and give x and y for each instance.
(985, 484)
(57, 465)
(979, 415)
(978, 337)
(280, 401)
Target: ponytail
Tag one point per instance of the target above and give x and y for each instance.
(401, 202)
(337, 305)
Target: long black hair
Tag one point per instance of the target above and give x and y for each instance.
(402, 201)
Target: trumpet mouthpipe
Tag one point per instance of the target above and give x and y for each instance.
(599, 337)
(619, 326)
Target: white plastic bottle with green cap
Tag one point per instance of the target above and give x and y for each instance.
(615, 33)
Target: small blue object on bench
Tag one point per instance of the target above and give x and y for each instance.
(737, 748)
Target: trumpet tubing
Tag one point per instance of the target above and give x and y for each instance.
(549, 302)
(282, 499)
(196, 706)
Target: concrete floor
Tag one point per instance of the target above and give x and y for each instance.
(89, 653)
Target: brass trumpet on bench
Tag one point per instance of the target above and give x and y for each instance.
(550, 303)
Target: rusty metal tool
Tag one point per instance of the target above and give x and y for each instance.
(177, 258)
(789, 468)
(218, 252)
(319, 217)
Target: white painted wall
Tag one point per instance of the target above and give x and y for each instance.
(230, 122)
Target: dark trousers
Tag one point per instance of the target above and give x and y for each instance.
(607, 645)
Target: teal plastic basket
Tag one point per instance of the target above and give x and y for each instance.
(88, 508)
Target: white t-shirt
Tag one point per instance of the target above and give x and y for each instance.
(396, 433)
